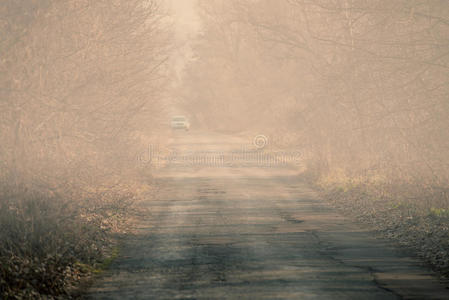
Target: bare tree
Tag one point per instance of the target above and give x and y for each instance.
(362, 83)
(76, 78)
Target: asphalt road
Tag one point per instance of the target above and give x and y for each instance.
(231, 224)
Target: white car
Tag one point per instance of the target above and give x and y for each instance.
(180, 122)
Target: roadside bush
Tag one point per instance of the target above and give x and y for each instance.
(49, 243)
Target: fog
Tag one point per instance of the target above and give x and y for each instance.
(361, 85)
(353, 93)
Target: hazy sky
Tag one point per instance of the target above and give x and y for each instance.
(187, 25)
(185, 16)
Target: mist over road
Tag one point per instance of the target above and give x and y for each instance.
(252, 232)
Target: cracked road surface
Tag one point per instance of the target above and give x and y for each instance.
(253, 232)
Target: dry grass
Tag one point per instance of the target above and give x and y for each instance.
(49, 243)
(414, 214)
